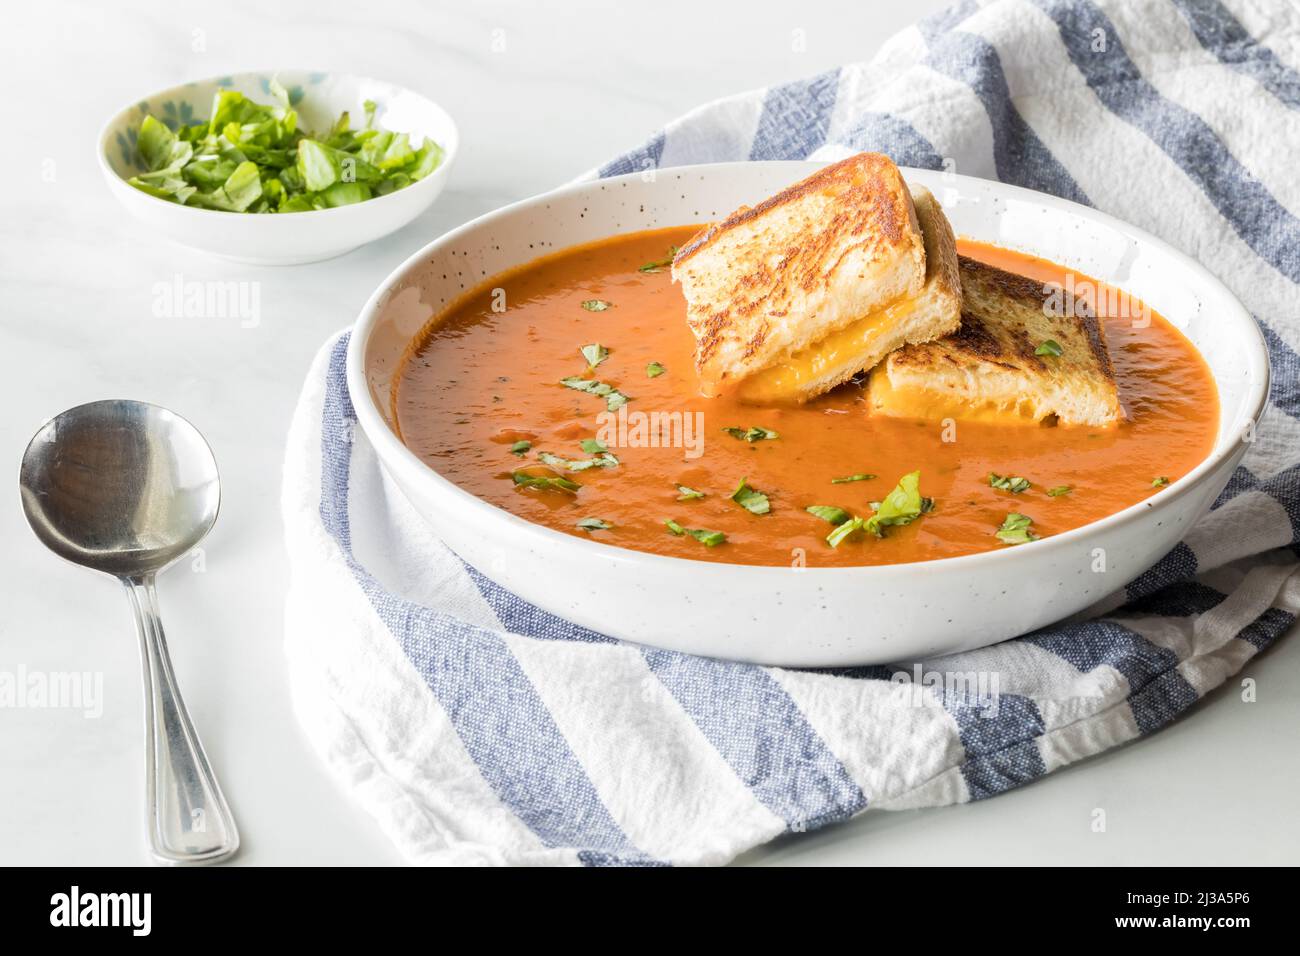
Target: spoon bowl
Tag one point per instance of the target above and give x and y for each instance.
(122, 487)
(128, 488)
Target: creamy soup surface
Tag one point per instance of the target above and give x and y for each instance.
(481, 398)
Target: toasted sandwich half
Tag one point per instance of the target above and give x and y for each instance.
(819, 282)
(1002, 364)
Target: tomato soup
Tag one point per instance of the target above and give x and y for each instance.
(642, 459)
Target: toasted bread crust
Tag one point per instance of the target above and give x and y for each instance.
(769, 280)
(865, 171)
(977, 339)
(992, 358)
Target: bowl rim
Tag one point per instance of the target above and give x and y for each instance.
(391, 451)
(450, 149)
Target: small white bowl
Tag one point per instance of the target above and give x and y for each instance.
(288, 238)
(810, 617)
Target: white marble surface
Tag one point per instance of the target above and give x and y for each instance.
(577, 83)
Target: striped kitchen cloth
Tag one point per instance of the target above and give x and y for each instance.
(479, 729)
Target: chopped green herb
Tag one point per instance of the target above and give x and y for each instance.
(901, 506)
(829, 513)
(614, 399)
(544, 482)
(753, 434)
(594, 354)
(1050, 347)
(848, 478)
(603, 460)
(1060, 490)
(1005, 483)
(751, 499)
(594, 524)
(843, 531)
(688, 494)
(661, 264)
(593, 446)
(596, 305)
(654, 370)
(1159, 482)
(706, 537)
(521, 447)
(253, 158)
(1015, 529)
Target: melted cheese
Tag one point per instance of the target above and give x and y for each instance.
(934, 405)
(789, 379)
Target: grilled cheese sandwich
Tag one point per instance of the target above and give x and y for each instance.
(1025, 352)
(819, 282)
(837, 357)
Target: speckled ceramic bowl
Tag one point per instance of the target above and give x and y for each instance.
(291, 238)
(809, 616)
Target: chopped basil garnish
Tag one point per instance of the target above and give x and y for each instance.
(603, 460)
(614, 399)
(848, 478)
(1015, 529)
(829, 513)
(521, 447)
(751, 499)
(597, 305)
(661, 264)
(843, 531)
(1005, 483)
(257, 158)
(594, 524)
(654, 370)
(594, 354)
(1060, 490)
(593, 446)
(687, 494)
(1159, 482)
(1050, 347)
(753, 434)
(901, 506)
(544, 482)
(706, 537)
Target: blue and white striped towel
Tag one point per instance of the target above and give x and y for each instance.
(477, 728)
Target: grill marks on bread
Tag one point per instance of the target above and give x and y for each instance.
(991, 363)
(773, 278)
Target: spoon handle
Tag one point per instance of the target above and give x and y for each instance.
(189, 821)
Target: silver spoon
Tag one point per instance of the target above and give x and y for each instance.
(128, 488)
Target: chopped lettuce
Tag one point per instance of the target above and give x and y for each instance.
(751, 499)
(835, 515)
(1010, 483)
(901, 506)
(614, 399)
(253, 157)
(843, 530)
(753, 434)
(1015, 529)
(594, 354)
(710, 539)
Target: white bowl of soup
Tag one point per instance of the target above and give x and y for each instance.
(456, 369)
